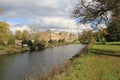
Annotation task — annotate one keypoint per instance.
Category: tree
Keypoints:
(51, 41)
(86, 36)
(26, 35)
(41, 45)
(30, 43)
(18, 34)
(3, 30)
(100, 35)
(11, 38)
(96, 10)
(114, 30)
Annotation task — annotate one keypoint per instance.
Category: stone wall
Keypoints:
(46, 36)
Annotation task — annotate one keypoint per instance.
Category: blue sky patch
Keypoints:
(15, 20)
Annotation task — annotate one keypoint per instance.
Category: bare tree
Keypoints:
(96, 11)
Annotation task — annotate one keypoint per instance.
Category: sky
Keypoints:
(40, 15)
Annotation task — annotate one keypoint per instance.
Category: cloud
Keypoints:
(58, 24)
(14, 27)
(42, 14)
(31, 8)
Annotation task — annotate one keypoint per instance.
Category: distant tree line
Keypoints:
(111, 33)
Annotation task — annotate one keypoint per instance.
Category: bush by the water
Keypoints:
(10, 49)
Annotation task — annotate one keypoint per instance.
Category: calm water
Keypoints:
(20, 66)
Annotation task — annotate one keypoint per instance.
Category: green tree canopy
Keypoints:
(114, 30)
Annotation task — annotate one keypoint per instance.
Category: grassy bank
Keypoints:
(102, 62)
(14, 49)
(11, 49)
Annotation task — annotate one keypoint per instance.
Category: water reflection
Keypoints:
(20, 66)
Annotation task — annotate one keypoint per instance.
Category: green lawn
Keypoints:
(107, 46)
(93, 66)
(115, 48)
(112, 43)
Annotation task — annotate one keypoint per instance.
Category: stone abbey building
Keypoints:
(50, 35)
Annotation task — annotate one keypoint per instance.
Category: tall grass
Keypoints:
(92, 66)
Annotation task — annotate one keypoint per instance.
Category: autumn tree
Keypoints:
(18, 34)
(4, 27)
(10, 38)
(86, 36)
(26, 35)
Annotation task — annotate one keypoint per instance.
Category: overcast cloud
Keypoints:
(45, 14)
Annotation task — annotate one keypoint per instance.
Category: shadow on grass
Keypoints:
(114, 44)
(107, 43)
(104, 52)
(100, 43)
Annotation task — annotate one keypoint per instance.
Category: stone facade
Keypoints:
(46, 36)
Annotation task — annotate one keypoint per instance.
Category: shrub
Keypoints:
(51, 41)
(41, 45)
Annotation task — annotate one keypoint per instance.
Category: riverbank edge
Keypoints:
(60, 68)
(22, 50)
(14, 52)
